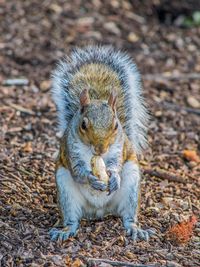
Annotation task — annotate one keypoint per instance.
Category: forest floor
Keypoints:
(33, 35)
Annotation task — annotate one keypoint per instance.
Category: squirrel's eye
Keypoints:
(116, 125)
(84, 124)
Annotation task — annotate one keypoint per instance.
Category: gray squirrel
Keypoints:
(101, 111)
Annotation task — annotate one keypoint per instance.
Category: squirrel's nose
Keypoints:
(100, 149)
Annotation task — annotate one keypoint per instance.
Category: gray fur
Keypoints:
(67, 105)
(114, 155)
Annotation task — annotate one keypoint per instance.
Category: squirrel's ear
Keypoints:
(112, 99)
(84, 98)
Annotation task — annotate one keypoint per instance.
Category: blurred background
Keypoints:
(34, 34)
(163, 37)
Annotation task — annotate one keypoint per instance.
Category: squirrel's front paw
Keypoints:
(114, 181)
(96, 183)
(62, 234)
(138, 234)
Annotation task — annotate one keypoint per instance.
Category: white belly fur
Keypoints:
(95, 198)
(97, 201)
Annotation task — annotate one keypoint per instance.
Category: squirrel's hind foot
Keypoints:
(138, 234)
(63, 234)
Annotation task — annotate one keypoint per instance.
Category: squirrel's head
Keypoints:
(98, 123)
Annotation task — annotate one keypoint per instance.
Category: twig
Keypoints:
(110, 244)
(120, 263)
(10, 82)
(14, 182)
(166, 77)
(4, 108)
(22, 109)
(13, 190)
(164, 175)
(3, 224)
(136, 17)
(19, 179)
(175, 107)
(21, 169)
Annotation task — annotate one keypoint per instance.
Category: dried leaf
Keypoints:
(68, 261)
(28, 147)
(191, 155)
(77, 263)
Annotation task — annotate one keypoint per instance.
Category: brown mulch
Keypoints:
(33, 35)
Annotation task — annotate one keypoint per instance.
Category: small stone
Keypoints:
(126, 5)
(93, 34)
(191, 48)
(45, 85)
(55, 155)
(34, 89)
(59, 134)
(192, 164)
(194, 86)
(56, 8)
(173, 264)
(193, 102)
(103, 264)
(28, 127)
(112, 28)
(115, 3)
(196, 239)
(85, 21)
(132, 37)
(179, 43)
(158, 113)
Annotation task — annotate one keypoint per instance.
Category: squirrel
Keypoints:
(101, 111)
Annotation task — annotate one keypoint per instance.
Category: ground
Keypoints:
(34, 34)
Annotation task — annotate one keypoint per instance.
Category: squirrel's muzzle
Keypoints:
(100, 149)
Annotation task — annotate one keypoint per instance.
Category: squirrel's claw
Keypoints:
(139, 234)
(61, 234)
(114, 182)
(96, 184)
